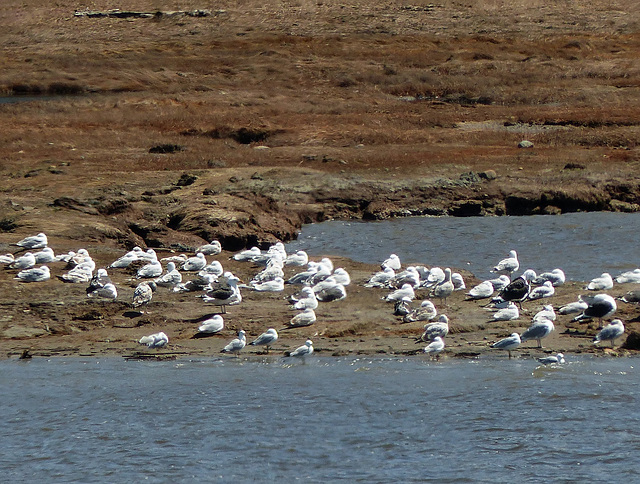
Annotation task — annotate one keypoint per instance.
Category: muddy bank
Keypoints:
(57, 319)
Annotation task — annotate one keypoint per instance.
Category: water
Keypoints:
(352, 420)
(582, 244)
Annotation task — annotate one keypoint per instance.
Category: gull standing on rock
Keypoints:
(236, 345)
(143, 294)
(507, 266)
(508, 344)
(439, 328)
(538, 330)
(599, 306)
(267, 339)
(443, 289)
(610, 332)
(303, 351)
(435, 347)
(224, 292)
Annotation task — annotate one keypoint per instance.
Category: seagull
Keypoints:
(341, 276)
(212, 248)
(508, 344)
(392, 262)
(108, 291)
(599, 306)
(405, 291)
(509, 313)
(439, 328)
(426, 312)
(214, 268)
(574, 307)
(210, 326)
(225, 292)
(443, 289)
(409, 276)
(538, 330)
(127, 259)
(402, 307)
(25, 261)
(150, 270)
(610, 332)
(552, 360)
(267, 338)
(545, 290)
(143, 293)
(171, 278)
(308, 299)
(556, 277)
(518, 289)
(435, 347)
(236, 345)
(481, 291)
(381, 278)
(247, 255)
(435, 276)
(500, 282)
(304, 318)
(546, 312)
(304, 350)
(275, 285)
(629, 276)
(194, 264)
(458, 281)
(157, 340)
(631, 297)
(44, 256)
(6, 258)
(601, 283)
(98, 281)
(80, 273)
(33, 242)
(333, 293)
(300, 258)
(508, 265)
(35, 274)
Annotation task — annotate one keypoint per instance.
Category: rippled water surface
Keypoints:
(583, 244)
(366, 420)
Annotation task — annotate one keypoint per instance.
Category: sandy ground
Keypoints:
(53, 318)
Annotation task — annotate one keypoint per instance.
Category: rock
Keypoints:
(488, 175)
(632, 342)
(620, 206)
(525, 144)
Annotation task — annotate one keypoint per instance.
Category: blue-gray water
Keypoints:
(367, 420)
(584, 245)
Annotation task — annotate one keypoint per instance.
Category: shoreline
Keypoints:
(62, 321)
